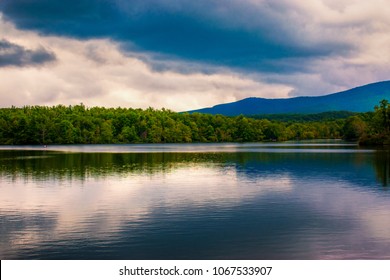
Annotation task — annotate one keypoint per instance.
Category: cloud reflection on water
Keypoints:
(265, 206)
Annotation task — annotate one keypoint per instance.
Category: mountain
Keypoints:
(359, 99)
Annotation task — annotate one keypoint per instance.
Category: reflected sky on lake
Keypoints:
(197, 205)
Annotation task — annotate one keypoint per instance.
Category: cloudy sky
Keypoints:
(186, 54)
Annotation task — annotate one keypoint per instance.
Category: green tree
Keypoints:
(354, 128)
(381, 119)
(106, 132)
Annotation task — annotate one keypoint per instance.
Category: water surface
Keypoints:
(195, 201)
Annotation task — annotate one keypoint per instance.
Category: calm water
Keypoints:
(199, 201)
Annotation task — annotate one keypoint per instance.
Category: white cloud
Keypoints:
(97, 73)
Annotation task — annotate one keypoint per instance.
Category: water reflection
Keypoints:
(382, 166)
(250, 205)
(52, 165)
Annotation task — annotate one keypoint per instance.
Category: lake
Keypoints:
(303, 200)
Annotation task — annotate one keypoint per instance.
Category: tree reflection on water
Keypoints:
(382, 166)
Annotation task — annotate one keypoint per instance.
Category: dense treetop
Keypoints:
(97, 125)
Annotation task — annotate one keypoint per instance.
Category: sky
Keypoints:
(185, 54)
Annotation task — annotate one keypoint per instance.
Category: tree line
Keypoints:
(370, 128)
(98, 125)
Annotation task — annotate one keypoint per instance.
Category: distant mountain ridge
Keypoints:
(359, 99)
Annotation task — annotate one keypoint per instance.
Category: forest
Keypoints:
(79, 124)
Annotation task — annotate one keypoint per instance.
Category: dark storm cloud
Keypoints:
(223, 33)
(15, 55)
